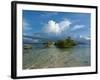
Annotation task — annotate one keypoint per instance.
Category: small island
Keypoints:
(66, 43)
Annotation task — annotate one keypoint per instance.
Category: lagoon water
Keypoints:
(53, 57)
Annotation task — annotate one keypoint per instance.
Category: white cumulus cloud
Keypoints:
(52, 27)
(57, 28)
(64, 24)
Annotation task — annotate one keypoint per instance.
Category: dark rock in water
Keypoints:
(48, 44)
(27, 46)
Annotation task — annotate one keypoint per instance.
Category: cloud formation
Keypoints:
(85, 37)
(78, 27)
(26, 25)
(64, 24)
(27, 29)
(57, 28)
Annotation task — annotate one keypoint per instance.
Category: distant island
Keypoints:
(65, 43)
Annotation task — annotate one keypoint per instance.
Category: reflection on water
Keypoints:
(39, 57)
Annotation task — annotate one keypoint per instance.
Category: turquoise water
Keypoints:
(39, 57)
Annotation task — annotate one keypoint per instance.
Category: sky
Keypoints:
(56, 24)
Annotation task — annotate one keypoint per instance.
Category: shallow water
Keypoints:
(39, 57)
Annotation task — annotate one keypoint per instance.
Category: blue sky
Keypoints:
(56, 24)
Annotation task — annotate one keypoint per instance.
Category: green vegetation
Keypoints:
(67, 43)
